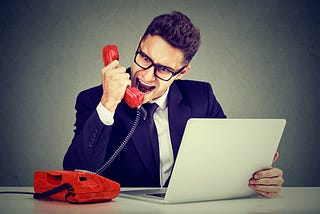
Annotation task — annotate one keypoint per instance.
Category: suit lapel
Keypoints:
(140, 139)
(179, 113)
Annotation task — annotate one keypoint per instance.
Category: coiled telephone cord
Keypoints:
(123, 144)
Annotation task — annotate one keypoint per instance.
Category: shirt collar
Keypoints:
(162, 101)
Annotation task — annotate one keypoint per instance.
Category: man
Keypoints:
(103, 120)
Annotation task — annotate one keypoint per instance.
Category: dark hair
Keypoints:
(176, 29)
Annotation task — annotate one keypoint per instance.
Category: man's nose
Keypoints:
(148, 74)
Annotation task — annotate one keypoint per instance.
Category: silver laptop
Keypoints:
(216, 159)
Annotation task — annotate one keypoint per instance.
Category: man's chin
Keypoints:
(148, 97)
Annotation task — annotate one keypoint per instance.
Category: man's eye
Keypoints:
(146, 59)
(164, 69)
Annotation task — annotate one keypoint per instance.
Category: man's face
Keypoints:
(161, 53)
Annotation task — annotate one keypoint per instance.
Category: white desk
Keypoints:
(292, 200)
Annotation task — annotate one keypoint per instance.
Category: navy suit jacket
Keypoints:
(136, 165)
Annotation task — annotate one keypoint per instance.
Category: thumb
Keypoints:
(275, 157)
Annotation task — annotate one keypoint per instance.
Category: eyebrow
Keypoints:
(173, 70)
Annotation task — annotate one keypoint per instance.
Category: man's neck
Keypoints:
(162, 101)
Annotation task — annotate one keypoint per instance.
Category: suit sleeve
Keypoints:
(89, 144)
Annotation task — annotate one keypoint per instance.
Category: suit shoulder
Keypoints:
(94, 91)
(92, 95)
(199, 96)
(192, 85)
(194, 91)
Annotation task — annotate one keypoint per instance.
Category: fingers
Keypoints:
(117, 75)
(267, 182)
(274, 189)
(268, 173)
(114, 82)
(114, 66)
(277, 181)
(268, 194)
(114, 76)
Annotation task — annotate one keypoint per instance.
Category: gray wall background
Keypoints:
(262, 58)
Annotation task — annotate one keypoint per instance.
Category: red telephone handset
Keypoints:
(133, 97)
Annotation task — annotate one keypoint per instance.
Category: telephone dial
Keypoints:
(133, 97)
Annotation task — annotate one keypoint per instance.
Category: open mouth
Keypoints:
(143, 87)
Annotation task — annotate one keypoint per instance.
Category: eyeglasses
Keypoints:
(160, 71)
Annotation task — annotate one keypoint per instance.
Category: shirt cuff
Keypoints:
(105, 115)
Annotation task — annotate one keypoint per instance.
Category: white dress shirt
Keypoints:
(162, 123)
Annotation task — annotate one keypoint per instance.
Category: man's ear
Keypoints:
(184, 71)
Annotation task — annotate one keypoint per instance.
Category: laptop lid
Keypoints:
(217, 157)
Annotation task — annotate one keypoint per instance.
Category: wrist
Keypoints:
(105, 115)
(109, 104)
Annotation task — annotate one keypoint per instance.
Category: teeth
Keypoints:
(144, 87)
(144, 84)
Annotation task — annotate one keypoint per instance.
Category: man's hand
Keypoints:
(267, 182)
(114, 82)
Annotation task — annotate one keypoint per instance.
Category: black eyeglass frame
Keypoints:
(138, 51)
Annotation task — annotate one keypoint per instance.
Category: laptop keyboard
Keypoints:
(160, 195)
